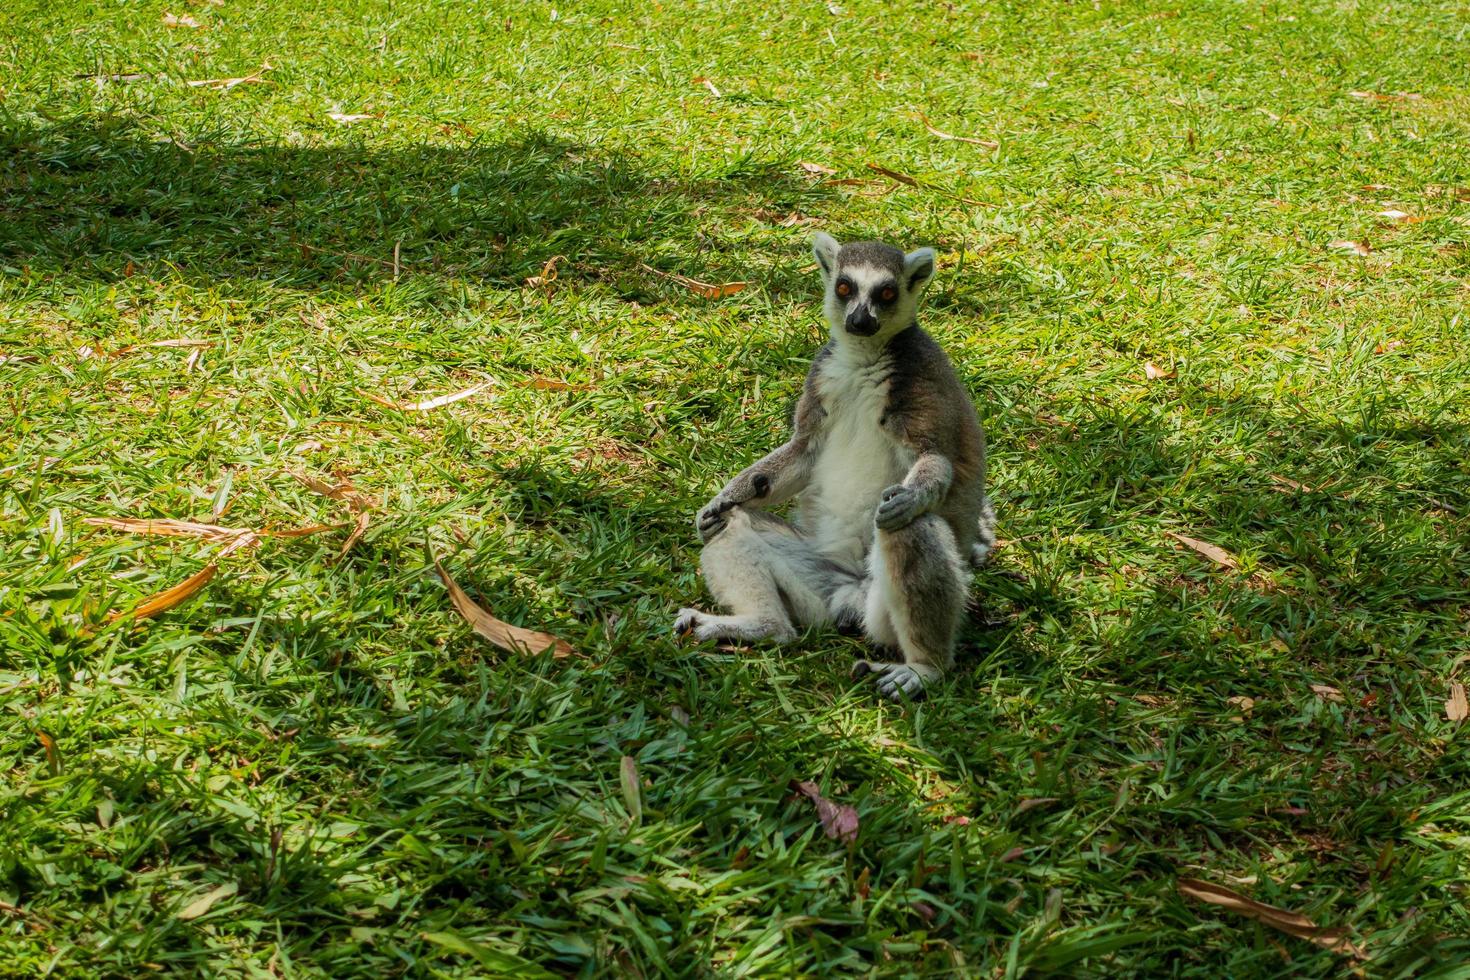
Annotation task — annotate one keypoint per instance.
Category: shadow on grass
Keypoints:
(96, 195)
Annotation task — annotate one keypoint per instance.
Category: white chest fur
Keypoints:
(856, 460)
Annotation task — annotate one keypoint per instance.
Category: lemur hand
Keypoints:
(898, 507)
(741, 490)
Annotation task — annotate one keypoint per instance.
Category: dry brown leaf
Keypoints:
(53, 754)
(1292, 484)
(903, 178)
(1360, 248)
(348, 118)
(162, 602)
(705, 289)
(701, 80)
(1456, 708)
(424, 406)
(1393, 214)
(226, 84)
(988, 144)
(1326, 692)
(1245, 704)
(516, 639)
(1213, 552)
(839, 821)
(1388, 347)
(1155, 373)
(971, 56)
(1033, 803)
(181, 20)
(816, 169)
(192, 361)
(548, 273)
(169, 528)
(18, 359)
(344, 491)
(1291, 923)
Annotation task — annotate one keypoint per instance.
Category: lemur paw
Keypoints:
(687, 622)
(711, 519)
(897, 508)
(897, 682)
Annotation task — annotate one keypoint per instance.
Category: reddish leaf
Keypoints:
(839, 821)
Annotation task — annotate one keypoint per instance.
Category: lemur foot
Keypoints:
(687, 623)
(897, 682)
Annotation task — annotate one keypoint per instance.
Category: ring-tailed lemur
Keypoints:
(888, 458)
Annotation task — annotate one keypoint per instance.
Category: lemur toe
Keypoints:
(686, 622)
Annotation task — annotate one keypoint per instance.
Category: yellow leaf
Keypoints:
(516, 639)
(207, 901)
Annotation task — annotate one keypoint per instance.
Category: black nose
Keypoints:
(862, 322)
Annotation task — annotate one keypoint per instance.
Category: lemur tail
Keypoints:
(985, 543)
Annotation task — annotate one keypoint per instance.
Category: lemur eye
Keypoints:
(888, 295)
(844, 289)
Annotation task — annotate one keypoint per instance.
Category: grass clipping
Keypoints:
(516, 639)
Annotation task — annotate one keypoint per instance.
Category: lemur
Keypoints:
(887, 457)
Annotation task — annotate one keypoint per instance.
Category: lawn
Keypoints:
(1204, 267)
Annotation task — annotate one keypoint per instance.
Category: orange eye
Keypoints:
(844, 290)
(889, 295)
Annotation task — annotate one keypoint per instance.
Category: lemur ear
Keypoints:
(825, 248)
(918, 268)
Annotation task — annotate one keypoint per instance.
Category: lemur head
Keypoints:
(872, 289)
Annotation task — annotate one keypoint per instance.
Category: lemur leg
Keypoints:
(915, 602)
(768, 576)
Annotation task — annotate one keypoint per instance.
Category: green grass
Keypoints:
(379, 793)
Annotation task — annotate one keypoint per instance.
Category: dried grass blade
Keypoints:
(988, 144)
(162, 602)
(1213, 552)
(426, 405)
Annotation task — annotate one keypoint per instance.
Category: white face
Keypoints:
(872, 290)
(865, 301)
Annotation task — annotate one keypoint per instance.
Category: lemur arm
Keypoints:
(773, 479)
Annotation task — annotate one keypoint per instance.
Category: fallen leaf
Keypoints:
(192, 361)
(348, 118)
(988, 144)
(207, 901)
(359, 528)
(1326, 692)
(1155, 373)
(180, 20)
(1361, 248)
(705, 289)
(344, 491)
(971, 55)
(424, 406)
(701, 80)
(815, 168)
(1033, 803)
(1152, 700)
(1214, 553)
(18, 359)
(1291, 923)
(632, 791)
(1387, 347)
(548, 273)
(516, 639)
(169, 598)
(169, 528)
(228, 83)
(863, 886)
(839, 821)
(925, 910)
(1456, 708)
(1393, 214)
(905, 179)
(1242, 702)
(1291, 484)
(53, 754)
